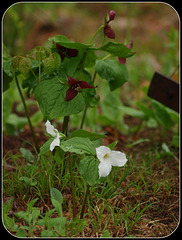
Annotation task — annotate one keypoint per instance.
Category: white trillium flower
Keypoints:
(108, 159)
(54, 133)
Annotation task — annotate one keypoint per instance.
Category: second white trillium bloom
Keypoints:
(108, 159)
(54, 133)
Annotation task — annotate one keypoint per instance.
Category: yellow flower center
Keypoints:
(106, 155)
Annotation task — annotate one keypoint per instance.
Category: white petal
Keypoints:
(55, 142)
(102, 151)
(117, 158)
(104, 169)
(50, 129)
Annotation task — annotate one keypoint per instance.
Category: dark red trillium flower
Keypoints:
(63, 51)
(75, 87)
(109, 32)
(107, 29)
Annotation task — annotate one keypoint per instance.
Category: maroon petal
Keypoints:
(84, 84)
(122, 60)
(58, 46)
(70, 94)
(71, 80)
(72, 52)
(109, 32)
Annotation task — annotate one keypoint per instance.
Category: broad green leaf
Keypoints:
(46, 146)
(78, 145)
(57, 58)
(89, 59)
(57, 200)
(57, 205)
(117, 49)
(6, 81)
(65, 42)
(88, 168)
(85, 134)
(27, 154)
(49, 65)
(59, 224)
(56, 194)
(25, 66)
(161, 115)
(35, 215)
(132, 112)
(48, 233)
(110, 105)
(114, 72)
(51, 94)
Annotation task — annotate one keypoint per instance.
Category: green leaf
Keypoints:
(89, 59)
(141, 140)
(161, 115)
(79, 145)
(59, 224)
(25, 66)
(65, 42)
(48, 233)
(27, 154)
(85, 134)
(56, 194)
(49, 65)
(132, 112)
(6, 81)
(117, 49)
(88, 168)
(57, 200)
(21, 233)
(28, 181)
(46, 146)
(57, 59)
(51, 94)
(30, 204)
(112, 145)
(114, 72)
(57, 206)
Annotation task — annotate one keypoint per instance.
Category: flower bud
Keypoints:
(111, 15)
(130, 45)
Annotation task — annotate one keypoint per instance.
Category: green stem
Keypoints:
(96, 34)
(84, 202)
(72, 187)
(83, 118)
(27, 114)
(85, 111)
(65, 125)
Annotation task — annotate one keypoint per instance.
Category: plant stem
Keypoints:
(27, 114)
(84, 202)
(83, 118)
(65, 125)
(96, 33)
(72, 187)
(86, 107)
